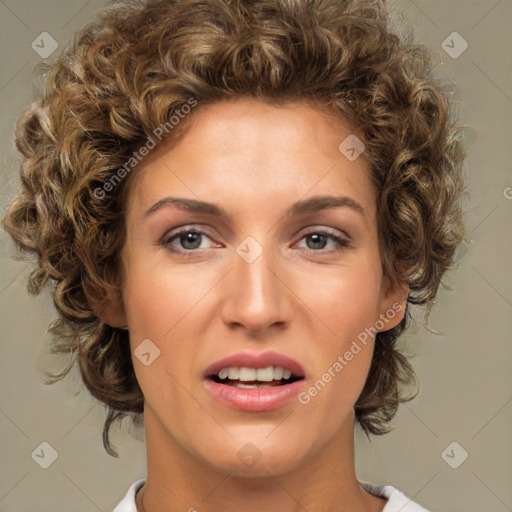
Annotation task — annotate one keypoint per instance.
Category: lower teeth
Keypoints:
(252, 386)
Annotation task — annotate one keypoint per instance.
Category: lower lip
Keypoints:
(254, 399)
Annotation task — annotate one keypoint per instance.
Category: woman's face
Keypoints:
(276, 275)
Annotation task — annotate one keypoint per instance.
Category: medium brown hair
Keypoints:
(138, 62)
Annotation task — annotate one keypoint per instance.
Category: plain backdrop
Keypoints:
(451, 449)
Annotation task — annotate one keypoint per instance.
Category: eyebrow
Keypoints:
(305, 206)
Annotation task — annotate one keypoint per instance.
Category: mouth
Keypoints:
(250, 381)
(253, 378)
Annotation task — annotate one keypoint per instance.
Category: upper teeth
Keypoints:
(249, 374)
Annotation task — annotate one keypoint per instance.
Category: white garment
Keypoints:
(397, 501)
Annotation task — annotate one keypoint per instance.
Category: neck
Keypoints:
(177, 480)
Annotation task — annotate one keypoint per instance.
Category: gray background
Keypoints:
(464, 372)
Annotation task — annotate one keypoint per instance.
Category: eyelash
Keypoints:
(342, 243)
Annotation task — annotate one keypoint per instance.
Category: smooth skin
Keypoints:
(305, 296)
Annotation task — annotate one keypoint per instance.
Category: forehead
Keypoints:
(244, 124)
(250, 150)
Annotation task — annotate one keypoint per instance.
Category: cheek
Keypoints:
(345, 300)
(168, 306)
(347, 304)
(162, 307)
(158, 298)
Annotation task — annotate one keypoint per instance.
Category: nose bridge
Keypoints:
(257, 296)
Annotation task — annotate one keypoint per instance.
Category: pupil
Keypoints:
(189, 238)
(316, 236)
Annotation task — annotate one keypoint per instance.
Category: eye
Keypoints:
(318, 241)
(189, 239)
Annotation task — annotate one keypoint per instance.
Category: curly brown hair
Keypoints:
(137, 62)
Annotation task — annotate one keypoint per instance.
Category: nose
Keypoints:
(256, 296)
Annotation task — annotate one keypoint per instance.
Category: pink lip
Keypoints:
(256, 399)
(256, 360)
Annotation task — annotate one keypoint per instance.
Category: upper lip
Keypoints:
(250, 359)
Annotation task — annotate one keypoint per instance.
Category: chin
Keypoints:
(273, 465)
(257, 457)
